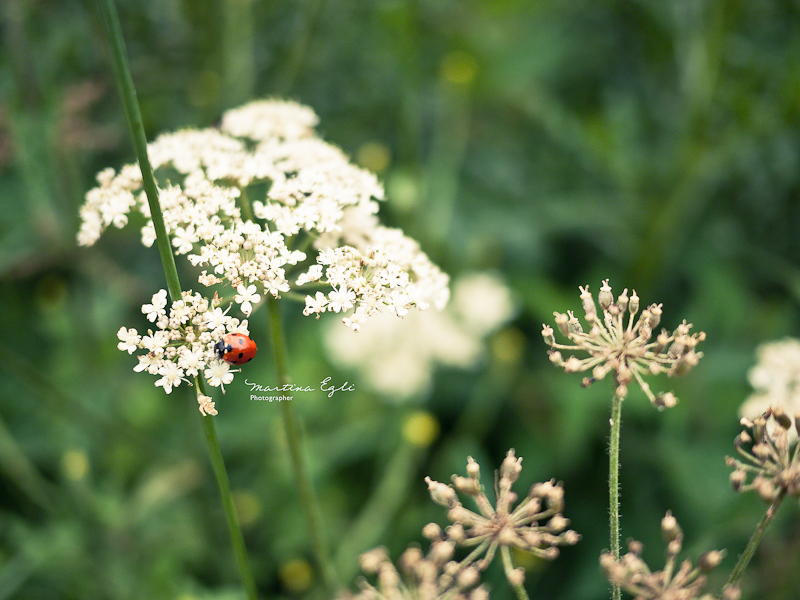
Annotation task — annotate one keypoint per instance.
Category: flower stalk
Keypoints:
(613, 483)
(133, 115)
(294, 439)
(755, 540)
(134, 118)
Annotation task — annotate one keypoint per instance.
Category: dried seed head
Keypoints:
(684, 583)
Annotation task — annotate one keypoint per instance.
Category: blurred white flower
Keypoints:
(397, 358)
(775, 379)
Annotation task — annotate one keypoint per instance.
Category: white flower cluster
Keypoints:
(305, 194)
(183, 344)
(775, 379)
(397, 358)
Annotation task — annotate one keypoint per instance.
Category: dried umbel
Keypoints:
(623, 345)
(536, 525)
(674, 582)
(434, 576)
(769, 455)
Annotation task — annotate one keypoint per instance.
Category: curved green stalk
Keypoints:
(124, 80)
(221, 474)
(750, 549)
(613, 483)
(134, 118)
(508, 567)
(294, 438)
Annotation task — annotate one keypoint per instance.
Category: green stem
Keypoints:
(750, 549)
(234, 529)
(380, 509)
(124, 80)
(133, 115)
(294, 438)
(613, 483)
(508, 566)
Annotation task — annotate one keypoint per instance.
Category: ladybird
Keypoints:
(236, 348)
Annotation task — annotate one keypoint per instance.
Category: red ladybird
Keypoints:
(236, 348)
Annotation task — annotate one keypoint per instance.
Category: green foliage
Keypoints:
(560, 143)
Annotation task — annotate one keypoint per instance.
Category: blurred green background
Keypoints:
(559, 143)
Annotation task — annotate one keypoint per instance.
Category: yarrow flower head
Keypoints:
(431, 576)
(264, 205)
(623, 346)
(536, 525)
(769, 454)
(182, 346)
(674, 582)
(775, 379)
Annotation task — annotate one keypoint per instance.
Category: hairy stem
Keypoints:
(234, 529)
(750, 549)
(124, 80)
(294, 438)
(613, 483)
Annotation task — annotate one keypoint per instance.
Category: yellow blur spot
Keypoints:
(421, 428)
(374, 156)
(403, 190)
(204, 89)
(75, 464)
(248, 507)
(508, 345)
(527, 560)
(188, 597)
(459, 67)
(296, 575)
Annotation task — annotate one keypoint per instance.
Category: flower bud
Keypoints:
(473, 469)
(557, 524)
(468, 577)
(588, 303)
(765, 488)
(731, 593)
(562, 321)
(622, 301)
(441, 493)
(511, 466)
(431, 531)
(670, 528)
(667, 400)
(655, 315)
(516, 577)
(633, 305)
(605, 298)
(466, 485)
(781, 418)
(371, 561)
(737, 479)
(709, 560)
(456, 533)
